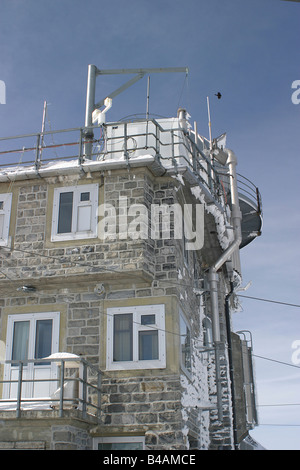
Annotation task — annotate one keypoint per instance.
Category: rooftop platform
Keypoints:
(164, 145)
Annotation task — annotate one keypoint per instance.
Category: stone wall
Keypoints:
(166, 407)
(146, 405)
(41, 430)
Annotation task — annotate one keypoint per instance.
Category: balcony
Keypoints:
(250, 205)
(165, 146)
(59, 386)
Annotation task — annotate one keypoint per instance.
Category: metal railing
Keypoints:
(85, 380)
(246, 189)
(123, 140)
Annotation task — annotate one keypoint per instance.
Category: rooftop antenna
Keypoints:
(43, 129)
(219, 96)
(93, 72)
(209, 123)
(148, 96)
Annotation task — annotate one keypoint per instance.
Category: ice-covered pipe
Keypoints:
(231, 161)
(236, 222)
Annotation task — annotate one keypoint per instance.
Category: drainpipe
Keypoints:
(231, 161)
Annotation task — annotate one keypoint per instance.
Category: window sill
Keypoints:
(136, 365)
(73, 237)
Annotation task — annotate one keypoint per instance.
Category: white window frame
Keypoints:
(32, 318)
(5, 211)
(121, 440)
(159, 326)
(74, 234)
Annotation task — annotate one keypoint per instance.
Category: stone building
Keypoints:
(118, 273)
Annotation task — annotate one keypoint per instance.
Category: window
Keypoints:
(136, 337)
(119, 443)
(31, 336)
(185, 345)
(5, 209)
(75, 212)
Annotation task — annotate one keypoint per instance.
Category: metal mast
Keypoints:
(93, 72)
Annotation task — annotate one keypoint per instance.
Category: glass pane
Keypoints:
(65, 213)
(148, 319)
(185, 339)
(123, 337)
(148, 345)
(121, 446)
(43, 339)
(84, 218)
(20, 341)
(84, 197)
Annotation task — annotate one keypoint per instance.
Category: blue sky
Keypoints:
(249, 51)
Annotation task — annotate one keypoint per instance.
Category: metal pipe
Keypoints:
(90, 105)
(236, 222)
(218, 380)
(43, 129)
(84, 389)
(19, 392)
(61, 394)
(231, 369)
(213, 276)
(148, 97)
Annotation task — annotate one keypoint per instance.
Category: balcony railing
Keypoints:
(73, 384)
(124, 140)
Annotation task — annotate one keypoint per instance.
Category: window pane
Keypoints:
(43, 340)
(185, 339)
(84, 218)
(148, 319)
(122, 337)
(148, 345)
(84, 197)
(121, 446)
(65, 213)
(20, 341)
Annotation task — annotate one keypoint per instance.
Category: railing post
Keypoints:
(84, 389)
(61, 395)
(157, 149)
(38, 152)
(125, 142)
(99, 395)
(172, 149)
(80, 157)
(258, 200)
(19, 393)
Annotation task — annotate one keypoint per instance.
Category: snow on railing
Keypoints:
(125, 141)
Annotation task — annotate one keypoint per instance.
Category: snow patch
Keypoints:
(225, 235)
